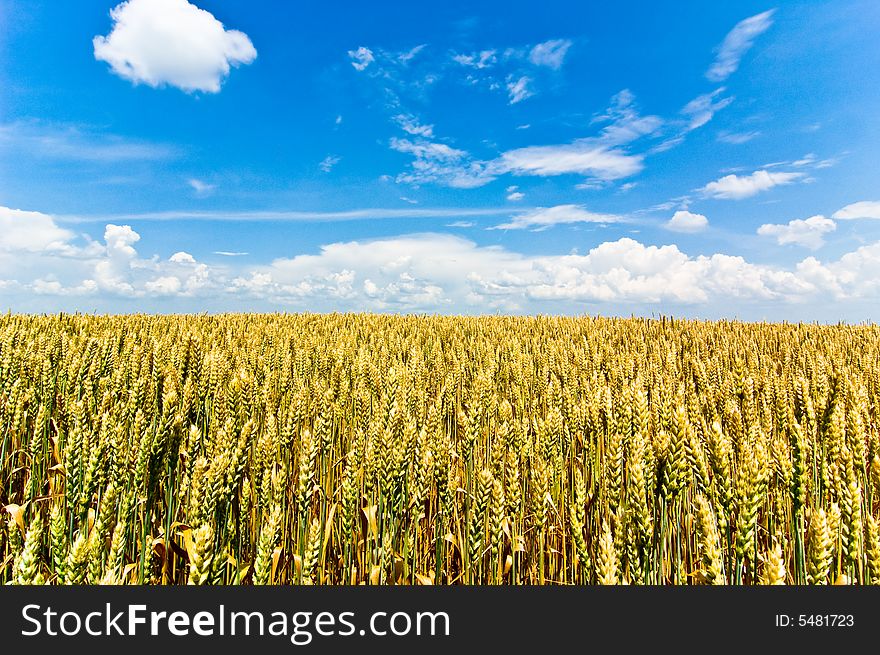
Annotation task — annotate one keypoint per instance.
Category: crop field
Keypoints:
(370, 449)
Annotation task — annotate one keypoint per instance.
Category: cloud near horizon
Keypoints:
(417, 272)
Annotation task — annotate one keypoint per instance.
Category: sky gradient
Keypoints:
(703, 160)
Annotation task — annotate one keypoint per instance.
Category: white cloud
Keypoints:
(229, 253)
(550, 53)
(440, 272)
(370, 213)
(515, 196)
(411, 125)
(120, 240)
(685, 221)
(863, 209)
(329, 162)
(543, 218)
(361, 58)
(601, 158)
(737, 187)
(478, 60)
(158, 42)
(30, 232)
(77, 143)
(701, 109)
(584, 156)
(201, 188)
(163, 286)
(737, 43)
(426, 149)
(182, 258)
(809, 233)
(518, 89)
(407, 56)
(737, 138)
(624, 123)
(440, 163)
(434, 272)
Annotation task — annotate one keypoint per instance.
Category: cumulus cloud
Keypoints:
(182, 258)
(863, 209)
(361, 58)
(543, 218)
(48, 260)
(448, 273)
(30, 232)
(809, 233)
(737, 187)
(737, 42)
(550, 53)
(437, 272)
(173, 42)
(685, 221)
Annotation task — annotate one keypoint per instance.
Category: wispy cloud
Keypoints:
(544, 218)
(737, 138)
(435, 162)
(518, 70)
(737, 42)
(201, 188)
(701, 109)
(406, 56)
(411, 125)
(602, 157)
(478, 60)
(293, 216)
(78, 143)
(361, 58)
(518, 89)
(550, 53)
(228, 253)
(329, 162)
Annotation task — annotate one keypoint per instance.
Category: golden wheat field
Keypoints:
(370, 449)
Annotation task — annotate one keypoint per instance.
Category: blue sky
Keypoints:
(691, 158)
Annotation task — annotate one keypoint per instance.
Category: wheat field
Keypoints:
(371, 449)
